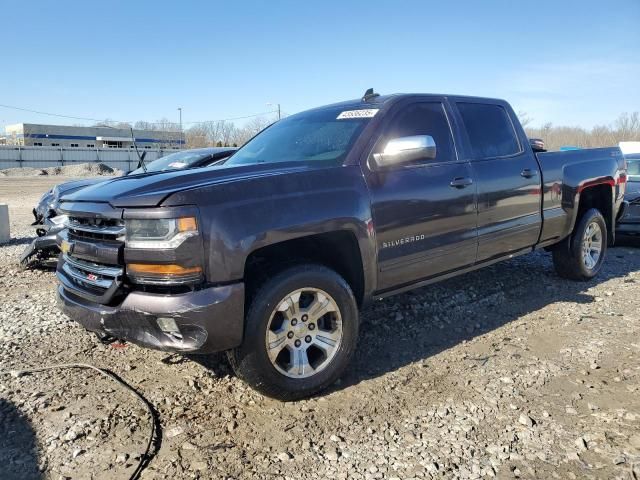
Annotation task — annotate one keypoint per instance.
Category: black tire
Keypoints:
(568, 257)
(251, 361)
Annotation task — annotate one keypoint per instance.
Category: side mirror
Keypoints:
(403, 150)
(537, 145)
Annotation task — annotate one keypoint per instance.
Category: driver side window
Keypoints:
(425, 118)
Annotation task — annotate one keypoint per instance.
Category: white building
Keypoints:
(37, 135)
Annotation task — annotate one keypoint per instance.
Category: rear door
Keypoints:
(424, 213)
(507, 176)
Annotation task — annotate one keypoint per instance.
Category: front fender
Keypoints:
(238, 218)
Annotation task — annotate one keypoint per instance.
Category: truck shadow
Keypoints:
(18, 447)
(628, 241)
(419, 324)
(414, 326)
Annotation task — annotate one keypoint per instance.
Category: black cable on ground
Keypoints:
(153, 445)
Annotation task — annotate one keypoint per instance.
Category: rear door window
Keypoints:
(489, 129)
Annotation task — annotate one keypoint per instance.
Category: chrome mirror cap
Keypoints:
(403, 150)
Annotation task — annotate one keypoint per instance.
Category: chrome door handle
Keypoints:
(461, 182)
(528, 173)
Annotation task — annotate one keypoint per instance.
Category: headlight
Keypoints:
(162, 233)
(159, 232)
(60, 219)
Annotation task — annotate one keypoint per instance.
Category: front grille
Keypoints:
(92, 265)
(93, 277)
(97, 228)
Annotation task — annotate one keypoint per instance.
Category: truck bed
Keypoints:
(564, 176)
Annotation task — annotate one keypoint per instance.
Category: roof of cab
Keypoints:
(383, 99)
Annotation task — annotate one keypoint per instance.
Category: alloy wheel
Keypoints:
(304, 333)
(592, 245)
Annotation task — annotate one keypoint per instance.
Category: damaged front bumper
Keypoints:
(44, 245)
(202, 321)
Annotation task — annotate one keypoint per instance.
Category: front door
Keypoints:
(425, 212)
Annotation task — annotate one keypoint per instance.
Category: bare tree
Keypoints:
(524, 118)
(625, 127)
(251, 128)
(218, 133)
(142, 125)
(196, 137)
(168, 132)
(628, 125)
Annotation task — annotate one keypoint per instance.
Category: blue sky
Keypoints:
(565, 62)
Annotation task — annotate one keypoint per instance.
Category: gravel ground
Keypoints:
(74, 170)
(508, 372)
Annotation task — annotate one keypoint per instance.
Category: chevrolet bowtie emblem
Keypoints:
(66, 247)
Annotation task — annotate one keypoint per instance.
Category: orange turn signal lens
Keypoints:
(153, 269)
(187, 224)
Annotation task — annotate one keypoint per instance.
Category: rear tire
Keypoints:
(301, 331)
(580, 257)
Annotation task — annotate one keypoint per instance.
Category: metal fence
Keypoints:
(42, 157)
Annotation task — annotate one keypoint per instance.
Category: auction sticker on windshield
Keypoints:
(365, 113)
(177, 165)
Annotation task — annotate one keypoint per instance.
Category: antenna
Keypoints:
(369, 95)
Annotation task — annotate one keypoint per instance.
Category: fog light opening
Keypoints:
(168, 325)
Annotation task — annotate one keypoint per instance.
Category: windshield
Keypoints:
(633, 167)
(317, 135)
(175, 161)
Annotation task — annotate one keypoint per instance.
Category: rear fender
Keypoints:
(598, 193)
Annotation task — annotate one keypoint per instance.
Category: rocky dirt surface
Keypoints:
(508, 372)
(77, 170)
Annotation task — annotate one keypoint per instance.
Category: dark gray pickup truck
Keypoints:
(271, 255)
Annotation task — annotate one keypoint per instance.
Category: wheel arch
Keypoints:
(338, 250)
(597, 194)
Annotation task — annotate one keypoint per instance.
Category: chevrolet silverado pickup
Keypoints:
(270, 255)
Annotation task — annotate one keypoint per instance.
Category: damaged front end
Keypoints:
(44, 247)
(138, 276)
(202, 321)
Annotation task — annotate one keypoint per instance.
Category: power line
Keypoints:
(234, 118)
(50, 114)
(118, 121)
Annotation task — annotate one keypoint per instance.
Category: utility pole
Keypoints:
(275, 105)
(181, 132)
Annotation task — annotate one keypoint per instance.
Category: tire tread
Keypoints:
(567, 257)
(246, 362)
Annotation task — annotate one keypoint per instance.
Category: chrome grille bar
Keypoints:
(94, 268)
(83, 278)
(106, 229)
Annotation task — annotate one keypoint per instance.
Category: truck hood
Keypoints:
(74, 185)
(151, 189)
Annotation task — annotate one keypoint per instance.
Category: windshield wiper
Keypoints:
(140, 157)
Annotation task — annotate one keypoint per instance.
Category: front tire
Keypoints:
(583, 254)
(301, 331)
